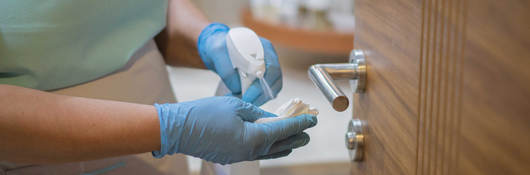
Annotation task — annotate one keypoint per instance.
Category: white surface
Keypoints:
(327, 137)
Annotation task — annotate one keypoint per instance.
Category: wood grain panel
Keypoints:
(443, 26)
(389, 32)
(448, 86)
(495, 114)
(474, 88)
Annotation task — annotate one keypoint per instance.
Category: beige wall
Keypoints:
(225, 11)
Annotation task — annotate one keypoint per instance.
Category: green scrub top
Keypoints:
(52, 44)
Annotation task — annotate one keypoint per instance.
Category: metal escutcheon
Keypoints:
(357, 58)
(355, 140)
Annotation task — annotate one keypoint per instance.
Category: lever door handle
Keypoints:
(323, 75)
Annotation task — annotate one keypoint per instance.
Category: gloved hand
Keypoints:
(214, 54)
(221, 130)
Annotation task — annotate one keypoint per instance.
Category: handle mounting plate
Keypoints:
(357, 57)
(355, 140)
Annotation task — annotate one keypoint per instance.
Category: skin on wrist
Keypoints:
(41, 127)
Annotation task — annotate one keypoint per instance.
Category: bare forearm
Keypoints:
(40, 127)
(178, 41)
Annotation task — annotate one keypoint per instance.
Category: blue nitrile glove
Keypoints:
(221, 130)
(214, 54)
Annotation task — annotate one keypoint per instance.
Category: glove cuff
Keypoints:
(208, 31)
(171, 127)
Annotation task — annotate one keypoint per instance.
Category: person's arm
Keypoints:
(41, 127)
(178, 41)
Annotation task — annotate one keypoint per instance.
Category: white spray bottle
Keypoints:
(246, 53)
(247, 56)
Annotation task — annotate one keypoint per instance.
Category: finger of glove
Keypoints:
(230, 94)
(273, 76)
(212, 37)
(255, 94)
(250, 113)
(282, 129)
(231, 78)
(272, 64)
(270, 53)
(275, 155)
(290, 143)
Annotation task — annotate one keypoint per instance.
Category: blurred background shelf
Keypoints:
(328, 42)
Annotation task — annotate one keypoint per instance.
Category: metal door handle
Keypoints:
(323, 75)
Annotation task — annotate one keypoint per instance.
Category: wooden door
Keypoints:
(448, 86)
